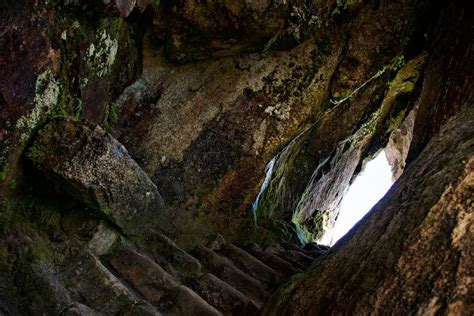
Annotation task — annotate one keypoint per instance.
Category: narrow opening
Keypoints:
(366, 190)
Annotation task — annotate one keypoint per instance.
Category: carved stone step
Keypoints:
(282, 267)
(316, 249)
(251, 265)
(158, 286)
(171, 257)
(91, 283)
(228, 272)
(294, 247)
(297, 258)
(223, 296)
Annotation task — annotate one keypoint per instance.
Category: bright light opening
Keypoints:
(366, 190)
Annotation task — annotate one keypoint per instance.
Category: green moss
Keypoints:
(12, 184)
(64, 99)
(398, 62)
(40, 250)
(407, 76)
(32, 245)
(343, 78)
(29, 209)
(395, 122)
(78, 108)
(403, 84)
(112, 115)
(4, 172)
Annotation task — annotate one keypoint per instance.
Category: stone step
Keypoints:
(284, 268)
(317, 249)
(188, 270)
(223, 296)
(294, 247)
(156, 285)
(171, 257)
(297, 258)
(251, 265)
(224, 269)
(90, 282)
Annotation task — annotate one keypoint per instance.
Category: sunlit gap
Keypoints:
(366, 190)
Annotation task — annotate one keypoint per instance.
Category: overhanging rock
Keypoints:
(97, 170)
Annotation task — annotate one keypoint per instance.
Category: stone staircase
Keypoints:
(218, 278)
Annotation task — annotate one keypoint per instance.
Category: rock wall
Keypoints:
(256, 76)
(127, 126)
(413, 252)
(59, 59)
(204, 131)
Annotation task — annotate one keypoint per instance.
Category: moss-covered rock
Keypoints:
(60, 57)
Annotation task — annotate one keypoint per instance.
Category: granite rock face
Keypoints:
(416, 243)
(203, 95)
(98, 171)
(58, 58)
(310, 175)
(195, 30)
(399, 145)
(413, 252)
(204, 131)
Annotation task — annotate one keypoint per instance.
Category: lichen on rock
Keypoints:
(101, 56)
(46, 96)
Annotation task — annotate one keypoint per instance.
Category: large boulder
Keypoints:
(97, 170)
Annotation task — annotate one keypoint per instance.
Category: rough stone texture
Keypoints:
(448, 81)
(413, 253)
(172, 258)
(227, 299)
(26, 53)
(125, 7)
(195, 30)
(157, 286)
(98, 170)
(103, 240)
(57, 57)
(399, 144)
(90, 281)
(55, 273)
(311, 174)
(205, 165)
(204, 131)
(255, 75)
